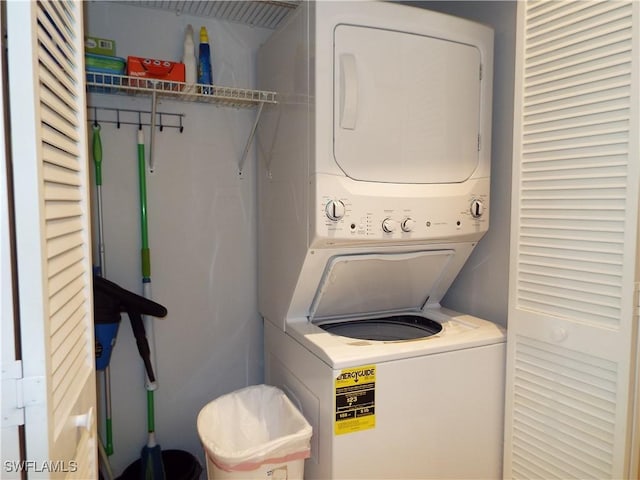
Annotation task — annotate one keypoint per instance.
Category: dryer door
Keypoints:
(406, 106)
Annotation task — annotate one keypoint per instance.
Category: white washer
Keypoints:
(373, 192)
(433, 409)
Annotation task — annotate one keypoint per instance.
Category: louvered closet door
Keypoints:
(49, 154)
(572, 320)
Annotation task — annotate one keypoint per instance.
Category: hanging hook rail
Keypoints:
(125, 116)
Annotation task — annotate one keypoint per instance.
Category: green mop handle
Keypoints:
(97, 154)
(145, 253)
(145, 256)
(151, 424)
(97, 160)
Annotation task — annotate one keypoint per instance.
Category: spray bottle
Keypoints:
(189, 60)
(204, 61)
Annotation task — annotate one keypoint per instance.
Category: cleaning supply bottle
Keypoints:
(204, 61)
(189, 60)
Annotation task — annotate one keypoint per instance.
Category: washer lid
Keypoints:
(371, 284)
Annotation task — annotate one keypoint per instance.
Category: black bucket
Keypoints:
(178, 465)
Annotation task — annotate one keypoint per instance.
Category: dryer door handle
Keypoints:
(348, 91)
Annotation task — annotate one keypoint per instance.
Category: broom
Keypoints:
(151, 455)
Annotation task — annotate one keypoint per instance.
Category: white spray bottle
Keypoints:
(189, 60)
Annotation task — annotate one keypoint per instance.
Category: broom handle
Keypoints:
(145, 255)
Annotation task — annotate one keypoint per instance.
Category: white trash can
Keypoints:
(255, 432)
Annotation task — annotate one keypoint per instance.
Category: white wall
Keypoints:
(481, 288)
(202, 230)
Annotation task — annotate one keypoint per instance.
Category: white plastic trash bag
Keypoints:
(253, 426)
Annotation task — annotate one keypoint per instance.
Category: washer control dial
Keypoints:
(388, 225)
(477, 208)
(335, 210)
(407, 224)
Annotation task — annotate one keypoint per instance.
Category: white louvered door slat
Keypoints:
(59, 158)
(55, 173)
(572, 315)
(48, 131)
(61, 15)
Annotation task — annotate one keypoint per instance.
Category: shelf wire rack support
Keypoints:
(250, 139)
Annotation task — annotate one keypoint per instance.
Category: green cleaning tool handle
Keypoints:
(109, 446)
(151, 424)
(146, 257)
(97, 153)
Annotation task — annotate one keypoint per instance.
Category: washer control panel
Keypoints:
(345, 218)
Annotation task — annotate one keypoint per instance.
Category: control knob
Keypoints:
(335, 210)
(388, 225)
(407, 224)
(477, 208)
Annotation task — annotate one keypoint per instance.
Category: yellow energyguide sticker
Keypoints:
(355, 400)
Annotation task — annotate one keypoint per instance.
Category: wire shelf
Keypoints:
(255, 13)
(227, 96)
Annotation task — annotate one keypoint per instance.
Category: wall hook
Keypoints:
(125, 116)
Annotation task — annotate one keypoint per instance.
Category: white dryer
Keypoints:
(373, 192)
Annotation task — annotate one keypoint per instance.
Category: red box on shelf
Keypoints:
(151, 68)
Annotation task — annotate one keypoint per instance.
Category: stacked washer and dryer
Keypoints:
(373, 192)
